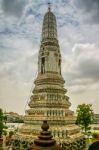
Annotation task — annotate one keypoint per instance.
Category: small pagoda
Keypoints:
(45, 140)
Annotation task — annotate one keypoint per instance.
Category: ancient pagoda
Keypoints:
(49, 100)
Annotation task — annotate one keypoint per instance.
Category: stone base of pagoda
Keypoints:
(23, 144)
(73, 142)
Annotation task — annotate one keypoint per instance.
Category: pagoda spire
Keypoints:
(49, 29)
(49, 6)
(49, 60)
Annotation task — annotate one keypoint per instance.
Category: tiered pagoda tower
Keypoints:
(49, 101)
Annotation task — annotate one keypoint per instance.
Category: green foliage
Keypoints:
(2, 123)
(95, 135)
(84, 116)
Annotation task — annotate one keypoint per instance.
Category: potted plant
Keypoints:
(2, 126)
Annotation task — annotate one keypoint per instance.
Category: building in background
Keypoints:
(13, 117)
(96, 118)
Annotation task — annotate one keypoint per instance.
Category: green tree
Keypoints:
(2, 123)
(84, 116)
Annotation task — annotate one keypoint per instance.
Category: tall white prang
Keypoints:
(49, 100)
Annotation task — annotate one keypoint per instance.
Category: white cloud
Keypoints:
(87, 60)
(17, 57)
(83, 63)
(89, 10)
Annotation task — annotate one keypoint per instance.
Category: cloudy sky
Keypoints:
(20, 35)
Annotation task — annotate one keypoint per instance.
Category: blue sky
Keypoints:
(20, 35)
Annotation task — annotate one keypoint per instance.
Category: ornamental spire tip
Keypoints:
(49, 6)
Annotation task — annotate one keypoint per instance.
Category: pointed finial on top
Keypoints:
(49, 6)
